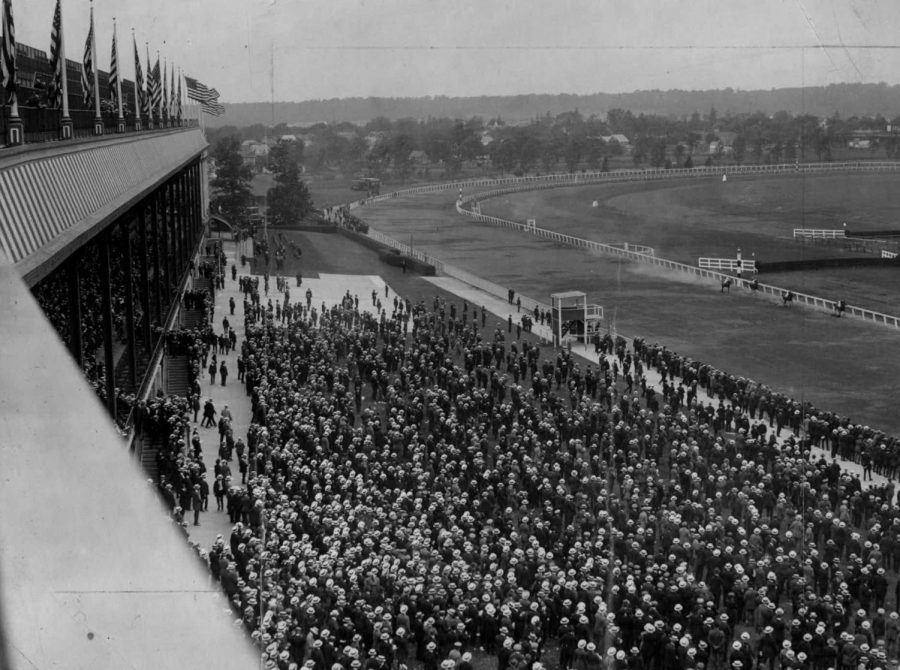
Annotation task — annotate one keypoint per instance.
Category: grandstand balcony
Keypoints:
(104, 230)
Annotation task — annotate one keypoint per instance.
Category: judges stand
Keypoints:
(573, 319)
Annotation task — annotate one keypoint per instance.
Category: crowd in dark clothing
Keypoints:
(52, 294)
(420, 489)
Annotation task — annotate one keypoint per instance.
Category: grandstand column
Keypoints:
(186, 217)
(184, 220)
(157, 268)
(75, 345)
(167, 256)
(106, 295)
(145, 277)
(195, 204)
(131, 350)
(172, 220)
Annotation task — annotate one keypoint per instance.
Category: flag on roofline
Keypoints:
(87, 64)
(148, 95)
(55, 87)
(213, 108)
(156, 92)
(164, 105)
(197, 90)
(8, 55)
(138, 80)
(172, 92)
(178, 109)
(114, 72)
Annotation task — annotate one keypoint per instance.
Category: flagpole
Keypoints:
(15, 129)
(149, 91)
(157, 105)
(179, 110)
(66, 128)
(163, 102)
(98, 119)
(120, 120)
(138, 124)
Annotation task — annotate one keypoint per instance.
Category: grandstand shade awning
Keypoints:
(54, 199)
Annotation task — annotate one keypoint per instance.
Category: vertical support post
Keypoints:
(131, 349)
(157, 266)
(167, 252)
(106, 294)
(185, 217)
(75, 342)
(173, 232)
(585, 321)
(195, 205)
(143, 254)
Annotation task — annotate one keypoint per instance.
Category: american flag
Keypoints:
(87, 65)
(207, 97)
(198, 91)
(178, 100)
(55, 88)
(164, 111)
(172, 92)
(8, 55)
(156, 89)
(139, 81)
(213, 108)
(114, 72)
(148, 95)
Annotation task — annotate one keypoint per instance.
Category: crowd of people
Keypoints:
(421, 488)
(52, 294)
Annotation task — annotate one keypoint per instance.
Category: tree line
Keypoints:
(570, 141)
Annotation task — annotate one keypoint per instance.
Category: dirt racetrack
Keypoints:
(684, 220)
(842, 365)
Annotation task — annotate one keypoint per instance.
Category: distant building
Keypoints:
(616, 137)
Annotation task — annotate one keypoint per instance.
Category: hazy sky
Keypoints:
(342, 48)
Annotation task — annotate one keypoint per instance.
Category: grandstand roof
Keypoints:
(53, 199)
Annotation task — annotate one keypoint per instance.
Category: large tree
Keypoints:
(231, 185)
(289, 200)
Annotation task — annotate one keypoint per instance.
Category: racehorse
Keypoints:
(787, 297)
(726, 284)
(839, 308)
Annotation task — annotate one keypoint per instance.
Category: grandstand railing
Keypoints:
(41, 124)
(516, 184)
